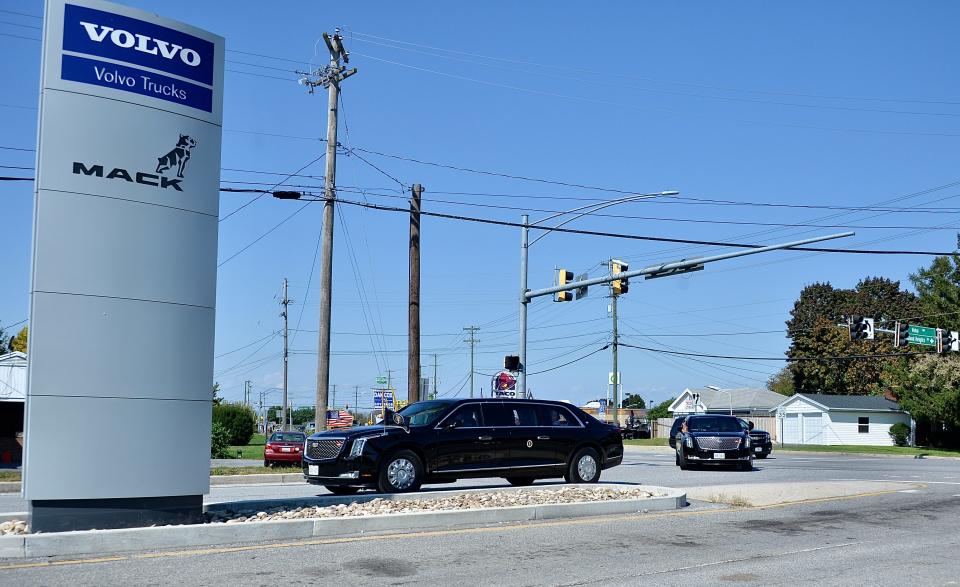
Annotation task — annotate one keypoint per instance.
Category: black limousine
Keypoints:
(440, 441)
(713, 439)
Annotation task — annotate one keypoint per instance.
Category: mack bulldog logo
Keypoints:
(177, 157)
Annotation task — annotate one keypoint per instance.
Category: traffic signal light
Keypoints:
(619, 286)
(856, 328)
(566, 277)
(901, 335)
(944, 340)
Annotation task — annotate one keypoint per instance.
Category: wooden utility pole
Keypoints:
(434, 394)
(473, 341)
(330, 78)
(413, 313)
(285, 303)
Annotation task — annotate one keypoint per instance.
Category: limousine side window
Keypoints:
(555, 416)
(496, 414)
(467, 416)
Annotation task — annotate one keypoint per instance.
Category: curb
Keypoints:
(260, 479)
(102, 542)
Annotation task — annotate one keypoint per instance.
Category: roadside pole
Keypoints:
(285, 303)
(329, 77)
(524, 301)
(473, 342)
(413, 313)
(616, 374)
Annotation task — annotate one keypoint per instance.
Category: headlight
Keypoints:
(357, 448)
(689, 442)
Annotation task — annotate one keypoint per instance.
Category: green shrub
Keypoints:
(900, 433)
(238, 419)
(219, 442)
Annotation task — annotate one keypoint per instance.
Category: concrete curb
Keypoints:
(9, 487)
(101, 542)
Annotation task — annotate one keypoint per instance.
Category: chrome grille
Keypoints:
(718, 442)
(759, 437)
(324, 449)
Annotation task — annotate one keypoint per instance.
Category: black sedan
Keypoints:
(713, 440)
(440, 441)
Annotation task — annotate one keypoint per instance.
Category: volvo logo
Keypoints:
(98, 33)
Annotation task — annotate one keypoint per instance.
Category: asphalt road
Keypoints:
(886, 539)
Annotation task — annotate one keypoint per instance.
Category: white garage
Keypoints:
(838, 419)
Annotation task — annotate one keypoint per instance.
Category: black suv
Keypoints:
(760, 439)
(440, 441)
(713, 439)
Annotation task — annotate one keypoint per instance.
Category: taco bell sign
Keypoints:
(123, 285)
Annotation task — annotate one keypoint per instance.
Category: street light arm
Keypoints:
(591, 208)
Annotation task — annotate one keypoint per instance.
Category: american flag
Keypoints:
(339, 419)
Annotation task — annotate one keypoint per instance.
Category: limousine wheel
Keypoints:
(400, 472)
(341, 489)
(520, 481)
(584, 467)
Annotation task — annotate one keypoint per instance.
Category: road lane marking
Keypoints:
(435, 533)
(895, 481)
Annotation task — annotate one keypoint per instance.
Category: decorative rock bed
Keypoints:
(13, 527)
(461, 501)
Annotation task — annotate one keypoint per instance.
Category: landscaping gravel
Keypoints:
(13, 527)
(471, 500)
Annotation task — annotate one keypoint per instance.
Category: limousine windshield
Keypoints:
(425, 413)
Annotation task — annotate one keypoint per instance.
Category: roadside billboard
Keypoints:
(123, 283)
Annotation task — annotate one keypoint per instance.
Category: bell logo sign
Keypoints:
(143, 43)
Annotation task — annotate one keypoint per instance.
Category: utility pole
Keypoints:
(330, 78)
(434, 394)
(616, 373)
(473, 341)
(413, 313)
(285, 303)
(333, 404)
(246, 392)
(524, 300)
(356, 398)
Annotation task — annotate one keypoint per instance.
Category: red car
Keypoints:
(284, 447)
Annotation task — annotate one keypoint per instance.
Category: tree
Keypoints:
(219, 441)
(660, 410)
(938, 287)
(302, 415)
(633, 400)
(216, 397)
(19, 342)
(817, 341)
(4, 339)
(929, 388)
(238, 419)
(782, 382)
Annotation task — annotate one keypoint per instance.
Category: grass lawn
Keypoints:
(647, 442)
(880, 450)
(9, 475)
(253, 451)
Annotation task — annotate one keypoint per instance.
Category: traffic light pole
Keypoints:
(524, 300)
(616, 372)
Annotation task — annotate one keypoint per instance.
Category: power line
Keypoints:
(21, 14)
(244, 346)
(637, 237)
(278, 184)
(603, 348)
(788, 359)
(262, 236)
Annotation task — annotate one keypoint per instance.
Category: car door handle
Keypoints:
(543, 438)
(484, 438)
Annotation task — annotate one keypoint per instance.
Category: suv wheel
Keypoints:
(400, 472)
(682, 460)
(746, 465)
(584, 467)
(520, 481)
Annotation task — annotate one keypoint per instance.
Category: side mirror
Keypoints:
(749, 425)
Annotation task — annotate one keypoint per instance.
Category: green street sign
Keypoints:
(381, 380)
(922, 335)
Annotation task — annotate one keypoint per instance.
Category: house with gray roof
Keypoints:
(815, 418)
(744, 401)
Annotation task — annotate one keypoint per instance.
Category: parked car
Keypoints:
(440, 441)
(674, 430)
(760, 439)
(713, 439)
(636, 428)
(284, 447)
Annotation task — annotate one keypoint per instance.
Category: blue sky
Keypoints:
(815, 103)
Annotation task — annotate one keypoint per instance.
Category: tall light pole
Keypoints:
(729, 395)
(524, 262)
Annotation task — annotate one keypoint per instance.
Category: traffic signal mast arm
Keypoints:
(676, 266)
